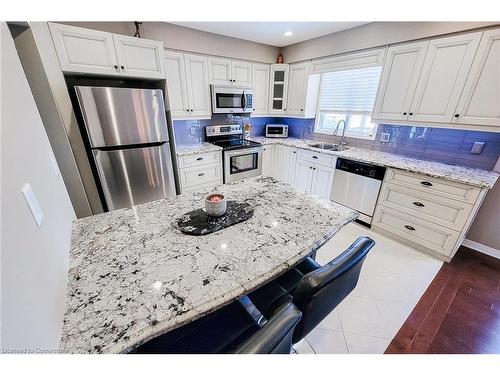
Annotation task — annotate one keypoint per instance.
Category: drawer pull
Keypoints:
(201, 174)
(426, 183)
(419, 204)
(199, 159)
(409, 227)
(315, 157)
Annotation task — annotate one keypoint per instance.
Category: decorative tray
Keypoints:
(198, 223)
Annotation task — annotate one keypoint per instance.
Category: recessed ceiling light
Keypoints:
(288, 33)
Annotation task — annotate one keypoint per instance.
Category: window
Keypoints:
(348, 95)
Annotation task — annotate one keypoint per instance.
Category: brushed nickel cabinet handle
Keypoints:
(419, 204)
(315, 157)
(200, 158)
(201, 174)
(409, 227)
(426, 183)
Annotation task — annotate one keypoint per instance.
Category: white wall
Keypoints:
(186, 39)
(371, 35)
(34, 260)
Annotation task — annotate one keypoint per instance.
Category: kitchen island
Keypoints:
(133, 275)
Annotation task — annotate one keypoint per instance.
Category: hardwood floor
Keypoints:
(460, 311)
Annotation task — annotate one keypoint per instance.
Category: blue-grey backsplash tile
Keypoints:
(450, 146)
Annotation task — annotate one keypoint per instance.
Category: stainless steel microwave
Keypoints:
(230, 99)
(276, 131)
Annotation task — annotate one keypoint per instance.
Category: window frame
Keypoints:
(316, 128)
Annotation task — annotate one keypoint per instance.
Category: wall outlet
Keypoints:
(477, 147)
(192, 130)
(384, 137)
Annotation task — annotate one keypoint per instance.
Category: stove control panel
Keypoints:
(217, 130)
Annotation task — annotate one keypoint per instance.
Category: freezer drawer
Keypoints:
(137, 175)
(121, 116)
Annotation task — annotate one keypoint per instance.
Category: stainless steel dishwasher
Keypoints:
(356, 185)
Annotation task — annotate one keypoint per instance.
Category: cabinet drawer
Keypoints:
(200, 175)
(194, 188)
(199, 159)
(432, 236)
(317, 157)
(448, 189)
(435, 208)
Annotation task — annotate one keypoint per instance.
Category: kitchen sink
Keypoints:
(328, 146)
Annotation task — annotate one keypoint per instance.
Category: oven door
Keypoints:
(244, 163)
(231, 100)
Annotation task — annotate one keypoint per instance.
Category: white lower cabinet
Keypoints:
(427, 213)
(200, 171)
(268, 160)
(285, 159)
(314, 173)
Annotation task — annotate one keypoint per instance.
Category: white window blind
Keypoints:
(348, 95)
(350, 90)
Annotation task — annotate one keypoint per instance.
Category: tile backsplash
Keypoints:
(451, 146)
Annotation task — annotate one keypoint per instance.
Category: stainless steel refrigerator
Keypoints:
(127, 131)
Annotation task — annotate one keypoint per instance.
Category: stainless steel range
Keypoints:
(242, 158)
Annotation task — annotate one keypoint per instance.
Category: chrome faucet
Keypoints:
(341, 145)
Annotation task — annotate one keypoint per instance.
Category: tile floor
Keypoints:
(392, 280)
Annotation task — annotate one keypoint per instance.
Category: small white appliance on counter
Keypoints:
(276, 131)
(230, 99)
(357, 185)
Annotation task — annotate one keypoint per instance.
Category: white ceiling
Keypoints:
(272, 33)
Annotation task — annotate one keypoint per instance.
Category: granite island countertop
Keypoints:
(133, 275)
(471, 176)
(197, 148)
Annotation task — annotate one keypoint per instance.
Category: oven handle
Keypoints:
(243, 151)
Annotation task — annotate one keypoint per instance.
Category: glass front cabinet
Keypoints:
(278, 87)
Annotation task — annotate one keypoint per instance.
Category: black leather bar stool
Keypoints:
(236, 328)
(316, 290)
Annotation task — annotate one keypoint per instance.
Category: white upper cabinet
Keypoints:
(303, 91)
(198, 87)
(278, 89)
(84, 51)
(242, 73)
(297, 86)
(139, 57)
(229, 72)
(480, 100)
(260, 73)
(446, 66)
(399, 79)
(176, 84)
(219, 71)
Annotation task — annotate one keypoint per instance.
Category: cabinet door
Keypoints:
(445, 69)
(260, 74)
(399, 79)
(322, 181)
(268, 160)
(291, 161)
(84, 51)
(480, 100)
(197, 85)
(303, 175)
(278, 89)
(242, 73)
(219, 71)
(139, 57)
(280, 162)
(176, 84)
(297, 86)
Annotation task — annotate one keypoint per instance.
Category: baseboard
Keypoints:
(495, 253)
